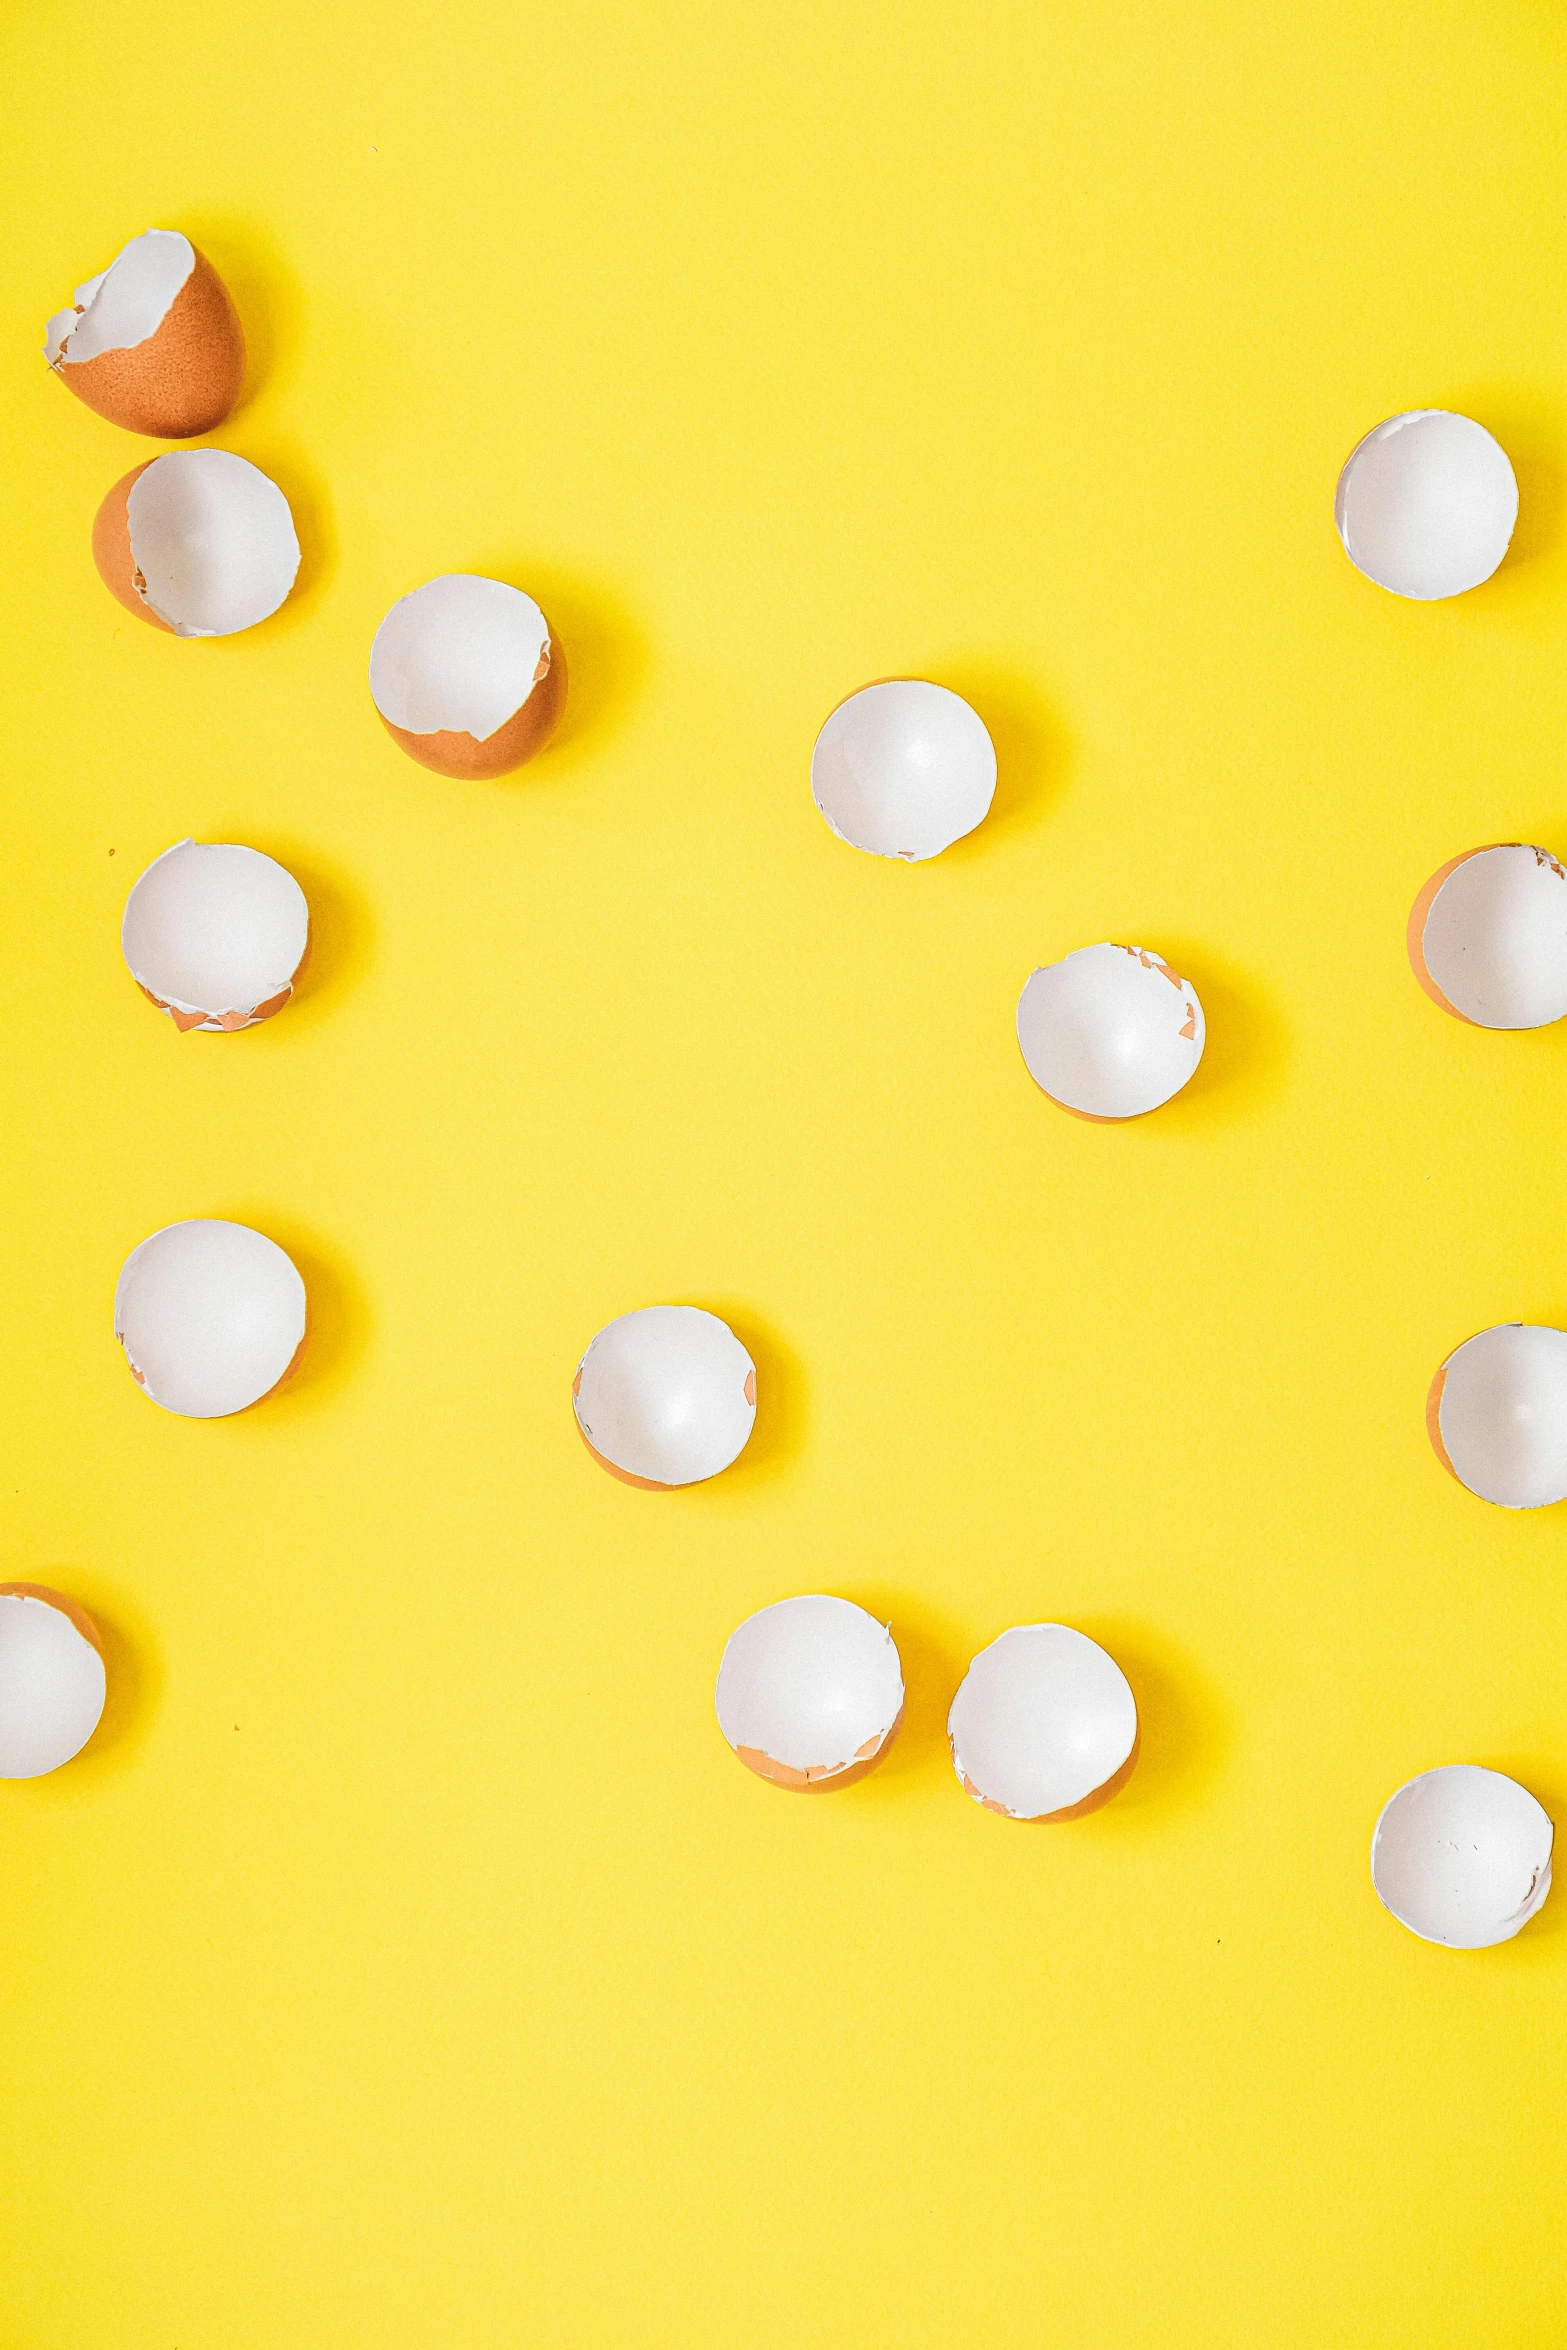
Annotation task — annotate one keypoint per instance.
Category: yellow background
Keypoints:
(408, 1962)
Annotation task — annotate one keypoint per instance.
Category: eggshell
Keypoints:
(198, 542)
(665, 1396)
(52, 1682)
(1497, 1415)
(211, 1316)
(1109, 1032)
(465, 675)
(810, 1692)
(1462, 1856)
(1488, 937)
(1426, 504)
(216, 935)
(903, 769)
(1044, 1726)
(153, 342)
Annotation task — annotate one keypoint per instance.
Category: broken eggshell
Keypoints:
(1426, 504)
(52, 1681)
(903, 769)
(153, 342)
(1497, 1415)
(1044, 1726)
(665, 1396)
(1488, 937)
(198, 542)
(810, 1692)
(211, 1316)
(1462, 1856)
(465, 675)
(1109, 1032)
(215, 935)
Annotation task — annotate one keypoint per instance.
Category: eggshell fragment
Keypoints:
(810, 1692)
(1044, 1726)
(198, 542)
(1497, 1415)
(52, 1682)
(1426, 504)
(903, 769)
(1110, 1031)
(1462, 1856)
(211, 1316)
(665, 1396)
(215, 935)
(465, 675)
(1488, 937)
(153, 342)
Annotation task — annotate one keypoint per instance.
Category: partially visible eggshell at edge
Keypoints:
(198, 542)
(1426, 504)
(1109, 1032)
(903, 769)
(215, 935)
(211, 1316)
(810, 1692)
(1462, 1856)
(466, 676)
(665, 1396)
(1044, 1726)
(52, 1680)
(1488, 937)
(1497, 1415)
(153, 342)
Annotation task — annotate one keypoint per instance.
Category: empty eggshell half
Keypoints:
(211, 1316)
(903, 769)
(1426, 504)
(665, 1396)
(810, 1692)
(198, 542)
(153, 342)
(1497, 1415)
(465, 675)
(1110, 1031)
(1462, 1856)
(1044, 1726)
(52, 1683)
(1488, 937)
(215, 935)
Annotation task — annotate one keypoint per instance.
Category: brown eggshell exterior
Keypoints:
(1094, 1800)
(1416, 934)
(184, 379)
(111, 550)
(815, 1782)
(1434, 1410)
(451, 752)
(1094, 1117)
(67, 1607)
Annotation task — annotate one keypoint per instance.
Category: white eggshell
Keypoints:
(1426, 504)
(1109, 1031)
(215, 934)
(1488, 937)
(213, 540)
(211, 1316)
(1462, 1856)
(1497, 1414)
(52, 1686)
(461, 653)
(809, 1691)
(666, 1396)
(1044, 1725)
(125, 304)
(903, 769)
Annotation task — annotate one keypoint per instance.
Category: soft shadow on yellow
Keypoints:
(1246, 1047)
(342, 932)
(778, 1437)
(607, 656)
(1183, 1723)
(338, 1324)
(1034, 752)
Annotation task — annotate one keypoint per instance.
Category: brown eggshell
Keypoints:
(184, 379)
(1434, 1405)
(111, 548)
(67, 1607)
(815, 1782)
(1416, 936)
(463, 755)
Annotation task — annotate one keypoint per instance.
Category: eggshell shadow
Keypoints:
(133, 1677)
(934, 1656)
(1033, 749)
(1246, 1045)
(338, 1319)
(778, 1438)
(1533, 440)
(607, 658)
(1184, 1726)
(342, 932)
(1546, 1780)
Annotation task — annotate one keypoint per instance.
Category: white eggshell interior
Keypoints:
(52, 1687)
(1495, 938)
(903, 769)
(124, 303)
(1462, 1856)
(1043, 1717)
(212, 927)
(662, 1394)
(1426, 504)
(213, 539)
(460, 653)
(210, 1315)
(1503, 1414)
(1110, 1030)
(812, 1682)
